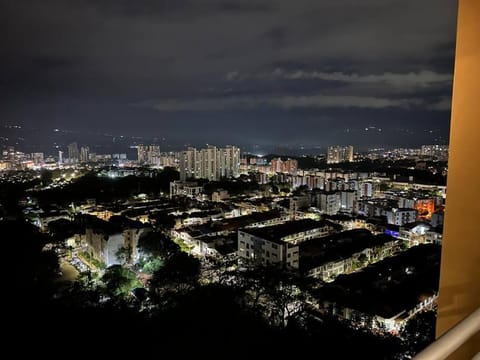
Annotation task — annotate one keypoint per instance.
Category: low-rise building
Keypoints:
(219, 195)
(279, 244)
(348, 222)
(329, 202)
(200, 236)
(437, 218)
(185, 188)
(216, 246)
(326, 258)
(348, 199)
(433, 237)
(414, 233)
(401, 216)
(385, 295)
(373, 207)
(104, 240)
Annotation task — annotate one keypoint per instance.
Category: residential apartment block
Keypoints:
(211, 163)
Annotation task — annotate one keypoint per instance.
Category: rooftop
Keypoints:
(115, 225)
(235, 223)
(391, 286)
(344, 217)
(320, 251)
(232, 224)
(414, 224)
(224, 244)
(277, 232)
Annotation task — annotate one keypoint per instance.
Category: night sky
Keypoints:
(273, 72)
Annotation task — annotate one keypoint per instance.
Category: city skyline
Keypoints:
(269, 73)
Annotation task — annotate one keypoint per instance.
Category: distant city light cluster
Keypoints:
(319, 216)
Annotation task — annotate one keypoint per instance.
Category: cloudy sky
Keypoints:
(271, 72)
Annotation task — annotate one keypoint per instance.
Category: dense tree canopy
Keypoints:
(106, 189)
(25, 261)
(179, 273)
(119, 280)
(157, 244)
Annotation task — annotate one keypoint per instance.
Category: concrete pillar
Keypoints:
(460, 269)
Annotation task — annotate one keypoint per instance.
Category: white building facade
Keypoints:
(211, 163)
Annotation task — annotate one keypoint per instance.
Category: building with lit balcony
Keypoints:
(279, 244)
(211, 163)
(148, 154)
(338, 154)
(401, 216)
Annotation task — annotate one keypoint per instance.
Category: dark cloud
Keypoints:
(265, 57)
(316, 101)
(278, 36)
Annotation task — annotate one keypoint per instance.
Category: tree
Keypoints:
(48, 266)
(46, 177)
(119, 281)
(275, 190)
(180, 273)
(384, 186)
(157, 244)
(363, 260)
(152, 265)
(60, 230)
(271, 291)
(420, 331)
(164, 220)
(300, 190)
(29, 271)
(124, 254)
(283, 297)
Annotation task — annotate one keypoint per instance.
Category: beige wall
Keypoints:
(460, 274)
